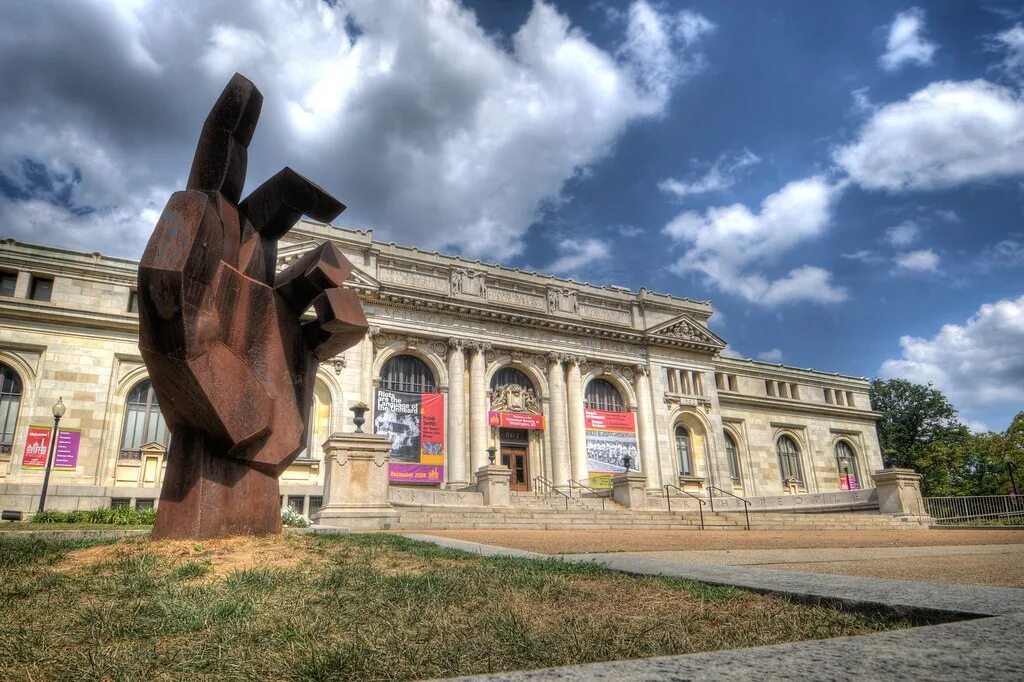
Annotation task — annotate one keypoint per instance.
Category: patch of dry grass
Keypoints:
(354, 607)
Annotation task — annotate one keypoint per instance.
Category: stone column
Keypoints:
(628, 490)
(646, 430)
(456, 414)
(478, 441)
(493, 480)
(577, 424)
(560, 467)
(899, 494)
(356, 482)
(366, 369)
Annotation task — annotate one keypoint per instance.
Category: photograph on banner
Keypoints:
(611, 437)
(414, 423)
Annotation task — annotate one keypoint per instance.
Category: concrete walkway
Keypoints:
(989, 645)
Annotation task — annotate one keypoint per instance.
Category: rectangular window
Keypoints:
(783, 390)
(120, 502)
(133, 301)
(8, 280)
(315, 502)
(849, 398)
(296, 502)
(720, 381)
(794, 391)
(769, 388)
(828, 395)
(144, 503)
(839, 398)
(733, 386)
(41, 288)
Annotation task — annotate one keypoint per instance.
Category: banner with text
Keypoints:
(516, 420)
(414, 422)
(610, 437)
(37, 448)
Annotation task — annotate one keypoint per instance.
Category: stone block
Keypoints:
(492, 480)
(356, 483)
(630, 490)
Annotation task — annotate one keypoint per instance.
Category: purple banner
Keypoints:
(65, 455)
(416, 473)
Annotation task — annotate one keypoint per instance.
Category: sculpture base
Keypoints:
(209, 495)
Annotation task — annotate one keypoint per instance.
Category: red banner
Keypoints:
(37, 447)
(516, 420)
(432, 428)
(597, 420)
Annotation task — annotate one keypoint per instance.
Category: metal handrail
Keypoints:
(745, 501)
(700, 508)
(596, 493)
(550, 486)
(977, 508)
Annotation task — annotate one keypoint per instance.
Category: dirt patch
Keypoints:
(223, 557)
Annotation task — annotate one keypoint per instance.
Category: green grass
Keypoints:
(117, 516)
(376, 607)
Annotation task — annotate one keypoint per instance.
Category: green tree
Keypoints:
(919, 429)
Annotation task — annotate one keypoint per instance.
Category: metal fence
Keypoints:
(979, 510)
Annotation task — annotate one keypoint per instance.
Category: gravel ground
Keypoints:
(587, 541)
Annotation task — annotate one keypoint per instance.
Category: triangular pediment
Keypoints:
(685, 331)
(288, 253)
(153, 447)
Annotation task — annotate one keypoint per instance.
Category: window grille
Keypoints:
(789, 460)
(733, 456)
(683, 451)
(143, 422)
(407, 374)
(10, 402)
(315, 503)
(602, 395)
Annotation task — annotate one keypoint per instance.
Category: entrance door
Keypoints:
(515, 459)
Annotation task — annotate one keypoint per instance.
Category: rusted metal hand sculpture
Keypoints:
(231, 360)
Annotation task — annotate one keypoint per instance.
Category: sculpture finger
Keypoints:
(325, 267)
(276, 205)
(222, 153)
(339, 324)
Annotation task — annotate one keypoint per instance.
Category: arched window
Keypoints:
(732, 455)
(511, 375)
(602, 395)
(407, 374)
(10, 402)
(849, 475)
(319, 422)
(789, 460)
(143, 422)
(683, 451)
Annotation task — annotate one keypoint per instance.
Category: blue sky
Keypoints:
(843, 179)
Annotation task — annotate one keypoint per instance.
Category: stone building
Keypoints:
(563, 379)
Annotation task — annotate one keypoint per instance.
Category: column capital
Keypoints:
(641, 369)
(373, 330)
(456, 343)
(578, 360)
(555, 358)
(477, 346)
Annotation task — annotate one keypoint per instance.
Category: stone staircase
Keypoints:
(531, 512)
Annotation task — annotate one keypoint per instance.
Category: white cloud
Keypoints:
(578, 255)
(431, 130)
(722, 175)
(903, 234)
(773, 355)
(946, 134)
(906, 44)
(729, 244)
(629, 231)
(730, 352)
(864, 256)
(948, 215)
(978, 364)
(1012, 42)
(923, 260)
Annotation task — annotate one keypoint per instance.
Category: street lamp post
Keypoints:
(58, 412)
(1010, 466)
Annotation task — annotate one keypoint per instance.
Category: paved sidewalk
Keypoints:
(989, 645)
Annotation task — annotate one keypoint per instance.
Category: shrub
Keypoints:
(115, 516)
(290, 517)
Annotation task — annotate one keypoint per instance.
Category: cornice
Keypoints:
(33, 311)
(726, 398)
(811, 377)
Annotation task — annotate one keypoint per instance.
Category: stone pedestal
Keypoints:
(356, 483)
(493, 481)
(899, 494)
(629, 490)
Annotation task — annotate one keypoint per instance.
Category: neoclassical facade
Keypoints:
(564, 380)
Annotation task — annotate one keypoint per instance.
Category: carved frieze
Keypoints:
(520, 299)
(413, 280)
(563, 302)
(601, 314)
(514, 398)
(468, 283)
(704, 403)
